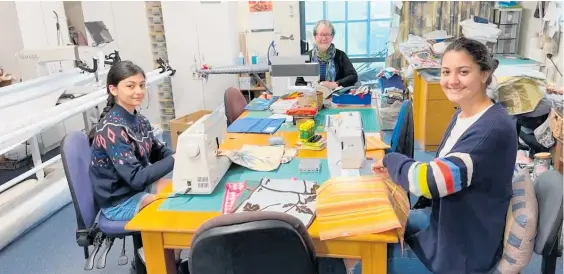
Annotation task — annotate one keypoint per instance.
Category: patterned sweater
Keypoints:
(126, 157)
(470, 189)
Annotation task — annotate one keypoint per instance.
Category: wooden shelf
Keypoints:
(255, 89)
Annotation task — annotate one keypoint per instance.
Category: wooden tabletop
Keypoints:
(151, 219)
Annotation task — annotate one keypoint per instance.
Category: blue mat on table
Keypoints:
(212, 202)
(369, 118)
(255, 125)
(260, 103)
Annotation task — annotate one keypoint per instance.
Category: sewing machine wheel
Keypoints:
(191, 150)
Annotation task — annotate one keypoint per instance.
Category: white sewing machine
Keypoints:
(345, 140)
(284, 70)
(197, 168)
(34, 63)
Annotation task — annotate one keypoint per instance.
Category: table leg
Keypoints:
(158, 260)
(374, 258)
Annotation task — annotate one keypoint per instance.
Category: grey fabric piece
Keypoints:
(549, 191)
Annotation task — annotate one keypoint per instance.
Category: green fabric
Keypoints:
(213, 202)
(368, 115)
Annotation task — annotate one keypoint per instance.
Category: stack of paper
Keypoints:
(281, 106)
(349, 206)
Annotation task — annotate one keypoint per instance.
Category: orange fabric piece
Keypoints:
(350, 206)
(374, 142)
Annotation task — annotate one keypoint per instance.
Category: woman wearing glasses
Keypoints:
(335, 67)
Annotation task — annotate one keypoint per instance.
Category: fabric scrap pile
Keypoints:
(483, 32)
(521, 92)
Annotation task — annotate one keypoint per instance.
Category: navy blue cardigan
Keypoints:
(126, 157)
(470, 189)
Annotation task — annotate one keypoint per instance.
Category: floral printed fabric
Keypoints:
(289, 154)
(294, 197)
(259, 158)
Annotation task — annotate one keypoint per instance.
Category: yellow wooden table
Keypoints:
(163, 231)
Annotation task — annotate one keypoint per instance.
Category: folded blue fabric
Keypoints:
(256, 125)
(258, 104)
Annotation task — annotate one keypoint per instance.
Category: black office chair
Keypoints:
(252, 243)
(548, 243)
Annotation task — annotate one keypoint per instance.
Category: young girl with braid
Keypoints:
(127, 159)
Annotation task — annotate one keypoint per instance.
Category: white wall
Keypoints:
(128, 25)
(200, 33)
(29, 25)
(11, 33)
(38, 24)
(286, 22)
(528, 42)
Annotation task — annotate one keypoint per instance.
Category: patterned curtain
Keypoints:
(419, 17)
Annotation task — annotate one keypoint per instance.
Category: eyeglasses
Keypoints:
(324, 35)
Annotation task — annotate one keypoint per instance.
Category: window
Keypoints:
(361, 30)
(361, 27)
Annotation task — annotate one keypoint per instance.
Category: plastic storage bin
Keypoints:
(348, 99)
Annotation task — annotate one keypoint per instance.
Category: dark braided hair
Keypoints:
(479, 52)
(118, 72)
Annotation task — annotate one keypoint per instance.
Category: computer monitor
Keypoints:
(99, 32)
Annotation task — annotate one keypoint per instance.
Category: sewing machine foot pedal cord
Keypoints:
(108, 242)
(98, 239)
(123, 258)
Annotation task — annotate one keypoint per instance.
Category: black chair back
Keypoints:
(252, 243)
(549, 191)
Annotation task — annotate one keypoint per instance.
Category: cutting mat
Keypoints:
(212, 202)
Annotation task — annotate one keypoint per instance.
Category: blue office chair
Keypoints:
(403, 140)
(402, 135)
(548, 243)
(252, 243)
(93, 228)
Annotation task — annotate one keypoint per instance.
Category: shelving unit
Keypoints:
(255, 89)
(509, 22)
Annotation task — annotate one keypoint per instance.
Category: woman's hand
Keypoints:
(379, 168)
(329, 85)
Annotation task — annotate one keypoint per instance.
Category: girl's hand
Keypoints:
(379, 168)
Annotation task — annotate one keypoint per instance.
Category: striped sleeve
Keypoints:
(441, 177)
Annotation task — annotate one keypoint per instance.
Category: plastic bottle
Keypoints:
(254, 59)
(241, 58)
